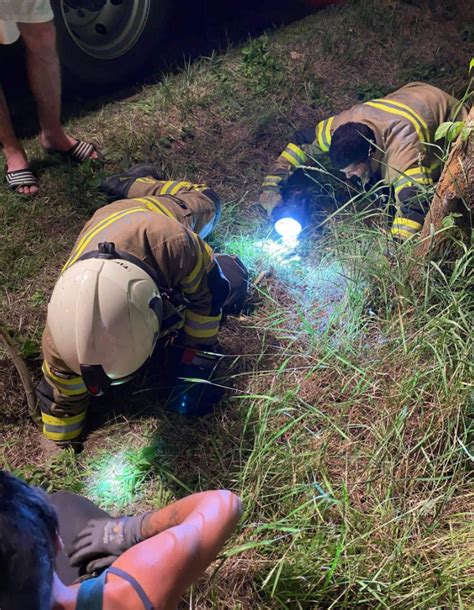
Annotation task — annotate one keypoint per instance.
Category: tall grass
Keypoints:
(357, 483)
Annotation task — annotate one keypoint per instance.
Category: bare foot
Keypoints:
(62, 142)
(16, 159)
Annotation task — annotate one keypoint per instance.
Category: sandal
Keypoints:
(20, 177)
(78, 153)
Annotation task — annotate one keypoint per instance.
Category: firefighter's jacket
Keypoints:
(160, 224)
(404, 124)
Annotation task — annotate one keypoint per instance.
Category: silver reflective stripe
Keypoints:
(293, 155)
(66, 386)
(64, 429)
(169, 186)
(398, 226)
(202, 325)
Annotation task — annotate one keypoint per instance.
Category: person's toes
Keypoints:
(28, 190)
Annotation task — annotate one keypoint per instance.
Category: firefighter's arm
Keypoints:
(187, 263)
(306, 142)
(205, 289)
(409, 186)
(62, 396)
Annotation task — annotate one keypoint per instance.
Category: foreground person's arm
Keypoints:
(181, 541)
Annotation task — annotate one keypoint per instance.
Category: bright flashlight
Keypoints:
(289, 221)
(288, 228)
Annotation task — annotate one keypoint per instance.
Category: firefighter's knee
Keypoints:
(214, 197)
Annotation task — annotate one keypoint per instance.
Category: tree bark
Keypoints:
(454, 195)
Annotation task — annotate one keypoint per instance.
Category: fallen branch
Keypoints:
(20, 366)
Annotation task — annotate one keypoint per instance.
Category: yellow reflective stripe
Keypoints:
(63, 421)
(69, 387)
(272, 180)
(86, 235)
(412, 224)
(267, 183)
(412, 112)
(208, 249)
(412, 181)
(61, 436)
(179, 186)
(191, 282)
(401, 233)
(98, 228)
(200, 334)
(327, 132)
(204, 327)
(289, 157)
(413, 171)
(385, 108)
(202, 330)
(166, 186)
(197, 317)
(197, 187)
(47, 371)
(298, 152)
(319, 131)
(63, 428)
(155, 205)
(146, 180)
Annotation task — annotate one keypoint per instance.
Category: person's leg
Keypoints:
(44, 74)
(14, 151)
(73, 514)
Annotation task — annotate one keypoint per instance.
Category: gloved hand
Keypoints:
(269, 200)
(103, 540)
(188, 397)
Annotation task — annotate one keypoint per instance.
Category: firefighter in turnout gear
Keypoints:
(389, 139)
(111, 303)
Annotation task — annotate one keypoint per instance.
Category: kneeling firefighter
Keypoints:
(116, 297)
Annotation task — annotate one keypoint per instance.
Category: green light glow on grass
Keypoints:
(321, 286)
(308, 276)
(116, 479)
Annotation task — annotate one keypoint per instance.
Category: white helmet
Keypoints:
(104, 317)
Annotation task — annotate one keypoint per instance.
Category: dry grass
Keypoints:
(345, 426)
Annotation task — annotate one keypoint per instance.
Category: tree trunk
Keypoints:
(454, 195)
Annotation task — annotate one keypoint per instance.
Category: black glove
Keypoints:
(193, 397)
(103, 540)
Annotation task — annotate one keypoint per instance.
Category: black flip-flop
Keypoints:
(21, 177)
(78, 153)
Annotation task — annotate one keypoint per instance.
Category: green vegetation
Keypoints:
(346, 425)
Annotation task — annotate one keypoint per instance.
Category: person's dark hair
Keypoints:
(351, 143)
(28, 529)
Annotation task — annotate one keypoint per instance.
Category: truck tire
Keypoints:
(109, 42)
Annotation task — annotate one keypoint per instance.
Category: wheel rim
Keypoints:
(109, 32)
